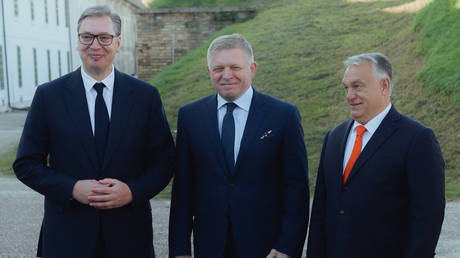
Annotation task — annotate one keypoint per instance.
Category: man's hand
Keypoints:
(83, 189)
(111, 193)
(275, 254)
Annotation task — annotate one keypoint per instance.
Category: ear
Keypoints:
(253, 68)
(118, 44)
(385, 85)
(209, 71)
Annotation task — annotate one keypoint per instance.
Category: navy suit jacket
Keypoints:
(392, 204)
(265, 200)
(57, 148)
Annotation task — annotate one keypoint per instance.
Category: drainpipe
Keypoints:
(6, 63)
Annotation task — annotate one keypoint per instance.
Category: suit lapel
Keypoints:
(383, 132)
(341, 152)
(213, 131)
(77, 108)
(122, 103)
(256, 116)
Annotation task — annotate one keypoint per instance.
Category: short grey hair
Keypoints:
(380, 64)
(229, 42)
(98, 11)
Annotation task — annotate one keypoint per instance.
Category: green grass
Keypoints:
(6, 161)
(439, 24)
(300, 47)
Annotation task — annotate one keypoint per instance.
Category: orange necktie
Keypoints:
(356, 151)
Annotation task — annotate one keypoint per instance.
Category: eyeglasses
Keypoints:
(88, 39)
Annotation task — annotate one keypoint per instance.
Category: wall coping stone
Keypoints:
(195, 10)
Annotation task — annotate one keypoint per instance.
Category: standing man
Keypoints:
(97, 145)
(241, 179)
(380, 185)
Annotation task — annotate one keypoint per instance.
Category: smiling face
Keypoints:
(96, 59)
(366, 95)
(230, 72)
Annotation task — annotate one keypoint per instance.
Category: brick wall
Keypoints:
(167, 34)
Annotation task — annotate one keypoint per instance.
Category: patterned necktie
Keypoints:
(355, 153)
(228, 136)
(101, 121)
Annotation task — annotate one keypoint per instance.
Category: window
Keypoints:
(2, 84)
(16, 8)
(46, 11)
(59, 62)
(19, 67)
(57, 12)
(66, 4)
(35, 67)
(32, 10)
(49, 63)
(68, 61)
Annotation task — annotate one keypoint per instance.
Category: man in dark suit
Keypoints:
(97, 145)
(241, 178)
(380, 184)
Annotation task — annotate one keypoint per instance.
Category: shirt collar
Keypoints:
(89, 81)
(243, 102)
(374, 123)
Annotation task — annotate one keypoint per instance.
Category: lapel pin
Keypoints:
(266, 134)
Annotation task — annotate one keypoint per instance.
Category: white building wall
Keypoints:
(125, 61)
(45, 34)
(26, 33)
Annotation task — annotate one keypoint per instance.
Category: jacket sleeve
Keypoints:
(181, 215)
(425, 172)
(31, 166)
(316, 247)
(294, 189)
(160, 148)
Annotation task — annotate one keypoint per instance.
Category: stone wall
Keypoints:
(166, 35)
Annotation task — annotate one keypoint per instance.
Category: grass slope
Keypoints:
(439, 24)
(300, 47)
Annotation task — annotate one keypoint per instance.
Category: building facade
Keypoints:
(38, 43)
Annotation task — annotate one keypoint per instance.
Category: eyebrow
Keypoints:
(353, 82)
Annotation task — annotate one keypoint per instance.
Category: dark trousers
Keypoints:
(101, 250)
(230, 246)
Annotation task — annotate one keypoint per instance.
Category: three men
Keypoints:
(97, 145)
(241, 179)
(380, 184)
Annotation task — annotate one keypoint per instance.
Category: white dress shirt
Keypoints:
(91, 92)
(240, 115)
(370, 126)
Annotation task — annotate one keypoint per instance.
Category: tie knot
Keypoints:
(230, 107)
(360, 130)
(99, 87)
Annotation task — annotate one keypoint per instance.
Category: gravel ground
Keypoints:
(21, 210)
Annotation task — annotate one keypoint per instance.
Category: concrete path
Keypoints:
(21, 210)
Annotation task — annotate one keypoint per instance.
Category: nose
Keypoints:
(227, 74)
(350, 94)
(95, 44)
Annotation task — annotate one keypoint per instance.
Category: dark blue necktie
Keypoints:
(228, 136)
(101, 120)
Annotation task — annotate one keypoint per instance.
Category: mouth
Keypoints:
(96, 56)
(354, 105)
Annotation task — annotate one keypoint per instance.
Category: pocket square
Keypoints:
(267, 134)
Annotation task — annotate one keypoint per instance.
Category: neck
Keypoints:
(97, 74)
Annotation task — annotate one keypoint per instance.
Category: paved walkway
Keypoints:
(21, 210)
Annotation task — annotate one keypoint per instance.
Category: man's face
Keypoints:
(230, 72)
(97, 59)
(366, 96)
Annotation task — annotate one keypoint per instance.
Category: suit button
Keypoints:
(231, 185)
(341, 212)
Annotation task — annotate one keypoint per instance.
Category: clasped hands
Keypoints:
(103, 194)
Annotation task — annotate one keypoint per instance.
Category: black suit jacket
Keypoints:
(265, 199)
(392, 204)
(57, 148)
